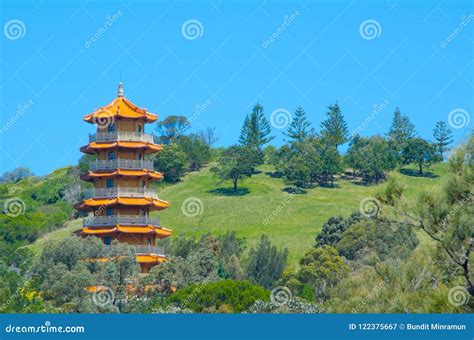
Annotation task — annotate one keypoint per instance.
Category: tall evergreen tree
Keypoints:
(443, 136)
(401, 131)
(255, 131)
(300, 127)
(334, 128)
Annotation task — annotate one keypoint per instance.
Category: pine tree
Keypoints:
(300, 127)
(443, 136)
(401, 131)
(334, 128)
(255, 131)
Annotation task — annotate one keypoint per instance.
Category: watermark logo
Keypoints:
(103, 296)
(21, 109)
(109, 21)
(458, 296)
(280, 118)
(287, 21)
(105, 120)
(192, 29)
(14, 29)
(465, 20)
(370, 207)
(459, 118)
(192, 207)
(14, 207)
(281, 295)
(370, 29)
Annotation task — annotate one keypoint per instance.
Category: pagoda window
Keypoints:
(110, 183)
(111, 127)
(139, 129)
(143, 184)
(107, 241)
(140, 156)
(111, 155)
(110, 211)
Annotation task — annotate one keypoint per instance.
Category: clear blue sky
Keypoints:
(317, 57)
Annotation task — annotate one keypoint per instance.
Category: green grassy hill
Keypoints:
(290, 221)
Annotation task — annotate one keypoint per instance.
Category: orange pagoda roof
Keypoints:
(119, 172)
(149, 147)
(120, 107)
(149, 229)
(152, 203)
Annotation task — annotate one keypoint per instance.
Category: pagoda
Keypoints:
(121, 200)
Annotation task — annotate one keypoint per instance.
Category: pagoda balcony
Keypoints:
(124, 136)
(120, 192)
(101, 221)
(142, 250)
(114, 164)
(150, 250)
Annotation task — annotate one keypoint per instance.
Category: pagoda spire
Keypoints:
(120, 89)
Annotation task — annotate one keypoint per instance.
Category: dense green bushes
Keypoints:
(226, 296)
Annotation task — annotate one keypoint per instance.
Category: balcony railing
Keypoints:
(99, 221)
(123, 136)
(150, 250)
(139, 250)
(120, 164)
(120, 192)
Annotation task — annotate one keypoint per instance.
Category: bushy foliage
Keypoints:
(172, 161)
(294, 306)
(266, 263)
(384, 238)
(198, 153)
(226, 296)
(236, 163)
(333, 229)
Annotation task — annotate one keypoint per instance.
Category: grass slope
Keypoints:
(292, 221)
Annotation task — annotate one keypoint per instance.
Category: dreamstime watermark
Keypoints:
(278, 209)
(198, 110)
(287, 21)
(12, 297)
(21, 109)
(103, 296)
(459, 118)
(370, 207)
(14, 29)
(105, 120)
(281, 295)
(192, 207)
(458, 296)
(109, 21)
(465, 20)
(467, 198)
(370, 29)
(280, 118)
(375, 290)
(46, 328)
(14, 207)
(192, 29)
(377, 109)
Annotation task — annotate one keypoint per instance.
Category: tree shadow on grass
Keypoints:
(414, 173)
(229, 191)
(294, 190)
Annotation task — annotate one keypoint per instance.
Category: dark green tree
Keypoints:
(236, 163)
(173, 162)
(420, 151)
(266, 263)
(401, 131)
(443, 136)
(197, 151)
(334, 127)
(300, 127)
(171, 128)
(255, 132)
(370, 157)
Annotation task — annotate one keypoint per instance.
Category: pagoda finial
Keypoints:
(120, 89)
